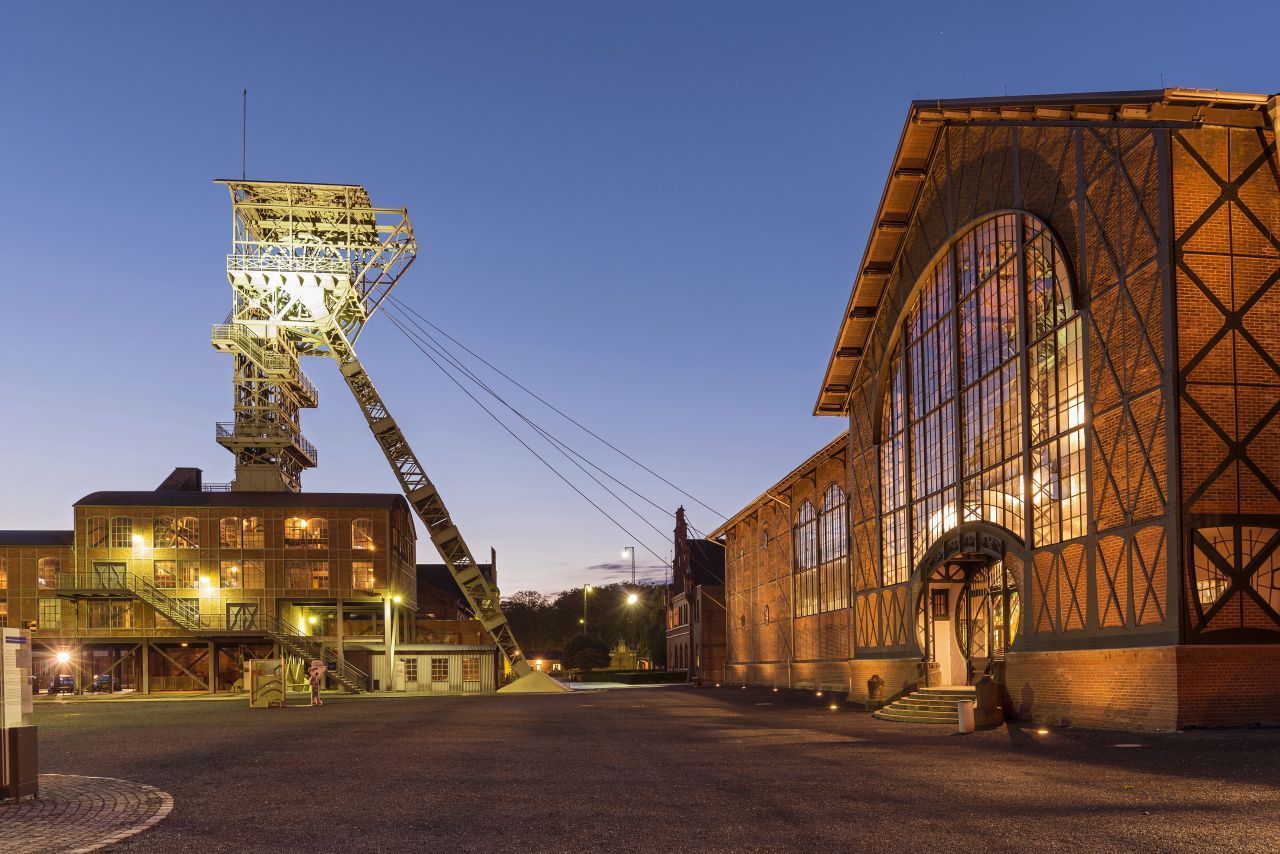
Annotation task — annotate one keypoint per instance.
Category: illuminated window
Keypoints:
(110, 614)
(471, 668)
(187, 533)
(306, 533)
(229, 532)
(4, 614)
(833, 531)
(253, 575)
(439, 670)
(165, 574)
(189, 574)
(96, 536)
(953, 447)
(230, 575)
(50, 613)
(410, 669)
(806, 565)
(4, 573)
(362, 534)
(166, 532)
(121, 532)
(47, 569)
(251, 532)
(362, 574)
(307, 574)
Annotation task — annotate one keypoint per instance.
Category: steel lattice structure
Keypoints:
(309, 265)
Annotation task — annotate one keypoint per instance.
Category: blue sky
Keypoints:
(648, 212)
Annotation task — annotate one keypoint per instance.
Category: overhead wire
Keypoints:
(404, 331)
(409, 309)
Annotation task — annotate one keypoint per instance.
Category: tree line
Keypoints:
(553, 626)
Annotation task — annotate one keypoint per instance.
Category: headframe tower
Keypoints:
(309, 265)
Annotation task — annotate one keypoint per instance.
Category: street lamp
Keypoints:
(631, 600)
(586, 588)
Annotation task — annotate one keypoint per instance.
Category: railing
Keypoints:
(253, 346)
(284, 263)
(268, 433)
(215, 487)
(188, 617)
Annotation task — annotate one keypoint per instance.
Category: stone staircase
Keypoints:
(927, 706)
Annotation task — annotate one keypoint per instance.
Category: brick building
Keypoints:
(1062, 463)
(172, 589)
(695, 606)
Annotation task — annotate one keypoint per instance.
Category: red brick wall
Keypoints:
(1104, 688)
(1228, 685)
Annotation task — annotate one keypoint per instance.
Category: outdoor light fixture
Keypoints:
(204, 581)
(834, 707)
(63, 657)
(819, 694)
(396, 598)
(137, 541)
(632, 599)
(311, 620)
(582, 621)
(184, 644)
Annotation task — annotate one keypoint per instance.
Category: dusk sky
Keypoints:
(648, 213)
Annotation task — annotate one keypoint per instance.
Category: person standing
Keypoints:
(315, 676)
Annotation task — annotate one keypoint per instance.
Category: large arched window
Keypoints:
(833, 536)
(961, 440)
(806, 566)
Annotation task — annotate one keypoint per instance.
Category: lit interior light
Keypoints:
(235, 569)
(137, 540)
(63, 657)
(204, 581)
(302, 523)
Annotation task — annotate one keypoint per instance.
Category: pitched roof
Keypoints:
(36, 538)
(191, 498)
(916, 148)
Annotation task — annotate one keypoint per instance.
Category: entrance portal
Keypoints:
(967, 618)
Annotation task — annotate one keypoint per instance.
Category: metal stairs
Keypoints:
(927, 706)
(189, 618)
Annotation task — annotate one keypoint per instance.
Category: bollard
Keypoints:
(964, 716)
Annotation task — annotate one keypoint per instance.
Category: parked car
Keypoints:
(62, 683)
(104, 682)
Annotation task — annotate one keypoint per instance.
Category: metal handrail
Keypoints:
(286, 633)
(280, 262)
(268, 432)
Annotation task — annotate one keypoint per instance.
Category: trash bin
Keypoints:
(964, 716)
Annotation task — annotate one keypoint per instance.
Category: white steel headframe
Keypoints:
(309, 264)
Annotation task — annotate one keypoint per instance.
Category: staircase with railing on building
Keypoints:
(115, 581)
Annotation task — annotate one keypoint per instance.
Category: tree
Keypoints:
(584, 652)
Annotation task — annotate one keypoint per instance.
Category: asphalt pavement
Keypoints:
(665, 769)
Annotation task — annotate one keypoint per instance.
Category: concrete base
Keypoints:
(536, 682)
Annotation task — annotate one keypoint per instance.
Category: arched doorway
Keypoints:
(969, 605)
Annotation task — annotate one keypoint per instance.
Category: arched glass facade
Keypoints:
(983, 411)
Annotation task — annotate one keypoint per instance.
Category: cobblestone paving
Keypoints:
(75, 813)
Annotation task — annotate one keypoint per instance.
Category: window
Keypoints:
(471, 668)
(166, 533)
(833, 530)
(229, 574)
(306, 533)
(4, 573)
(171, 533)
(96, 537)
(362, 574)
(806, 566)
(307, 574)
(165, 574)
(121, 532)
(251, 532)
(189, 574)
(4, 614)
(253, 575)
(110, 614)
(47, 569)
(439, 670)
(50, 613)
(229, 532)
(410, 669)
(187, 533)
(952, 432)
(362, 534)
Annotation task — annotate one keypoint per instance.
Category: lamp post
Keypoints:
(586, 588)
(632, 599)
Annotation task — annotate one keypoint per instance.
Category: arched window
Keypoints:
(121, 532)
(806, 565)
(362, 534)
(252, 532)
(96, 534)
(953, 445)
(165, 533)
(317, 533)
(229, 533)
(833, 531)
(187, 532)
(47, 569)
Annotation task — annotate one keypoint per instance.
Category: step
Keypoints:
(897, 717)
(931, 705)
(907, 711)
(957, 690)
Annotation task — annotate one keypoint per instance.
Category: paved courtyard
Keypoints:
(657, 769)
